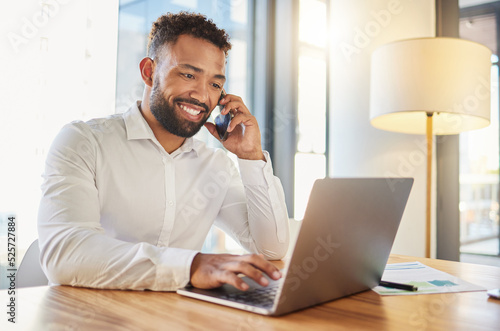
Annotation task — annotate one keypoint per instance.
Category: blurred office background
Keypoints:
(302, 68)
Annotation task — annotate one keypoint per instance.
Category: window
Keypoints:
(479, 150)
(311, 154)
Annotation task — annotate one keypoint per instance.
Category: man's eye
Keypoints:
(188, 75)
(217, 86)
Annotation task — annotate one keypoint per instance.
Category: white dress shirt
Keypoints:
(117, 211)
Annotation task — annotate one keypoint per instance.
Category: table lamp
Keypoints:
(431, 86)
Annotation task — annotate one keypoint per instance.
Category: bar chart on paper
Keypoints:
(427, 279)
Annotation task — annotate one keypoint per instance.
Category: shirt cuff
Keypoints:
(174, 269)
(256, 172)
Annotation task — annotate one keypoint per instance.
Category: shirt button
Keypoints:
(171, 203)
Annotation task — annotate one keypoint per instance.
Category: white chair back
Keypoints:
(30, 271)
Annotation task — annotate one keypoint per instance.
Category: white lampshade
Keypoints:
(448, 77)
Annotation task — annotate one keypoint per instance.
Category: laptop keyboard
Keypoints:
(261, 297)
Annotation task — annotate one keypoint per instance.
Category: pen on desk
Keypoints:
(406, 287)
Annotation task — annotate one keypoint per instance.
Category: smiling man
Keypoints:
(129, 199)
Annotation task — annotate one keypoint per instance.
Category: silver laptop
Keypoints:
(342, 248)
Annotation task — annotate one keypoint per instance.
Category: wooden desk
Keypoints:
(68, 308)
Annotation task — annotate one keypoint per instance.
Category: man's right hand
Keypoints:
(214, 270)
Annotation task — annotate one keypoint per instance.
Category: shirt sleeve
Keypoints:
(264, 229)
(74, 248)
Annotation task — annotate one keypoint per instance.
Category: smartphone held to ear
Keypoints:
(222, 121)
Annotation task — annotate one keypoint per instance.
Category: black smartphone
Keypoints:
(222, 121)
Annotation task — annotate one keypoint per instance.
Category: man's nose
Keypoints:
(200, 92)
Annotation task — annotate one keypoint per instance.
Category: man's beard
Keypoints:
(172, 122)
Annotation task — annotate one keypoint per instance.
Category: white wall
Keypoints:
(356, 148)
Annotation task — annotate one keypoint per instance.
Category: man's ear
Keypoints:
(147, 70)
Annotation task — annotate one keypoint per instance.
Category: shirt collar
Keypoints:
(135, 124)
(188, 146)
(137, 128)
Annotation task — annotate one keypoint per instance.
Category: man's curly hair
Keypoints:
(169, 27)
